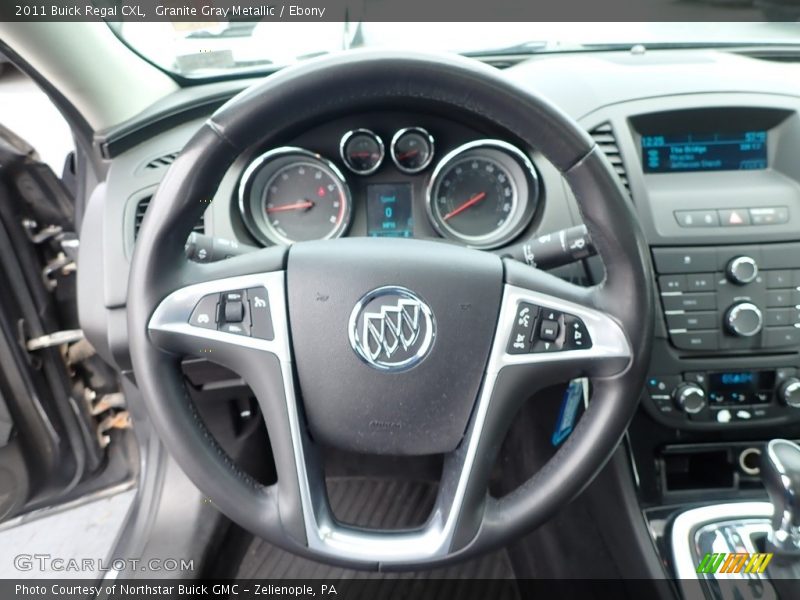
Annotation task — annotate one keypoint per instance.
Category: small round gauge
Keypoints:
(362, 151)
(483, 194)
(292, 195)
(412, 149)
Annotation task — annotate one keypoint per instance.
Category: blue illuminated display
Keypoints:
(736, 378)
(389, 210)
(745, 150)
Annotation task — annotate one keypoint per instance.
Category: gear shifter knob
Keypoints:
(780, 473)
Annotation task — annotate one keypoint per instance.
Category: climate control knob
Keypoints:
(742, 270)
(789, 392)
(744, 319)
(690, 398)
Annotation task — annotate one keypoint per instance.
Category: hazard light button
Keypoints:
(734, 217)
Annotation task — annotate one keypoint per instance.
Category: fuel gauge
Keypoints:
(412, 149)
(362, 151)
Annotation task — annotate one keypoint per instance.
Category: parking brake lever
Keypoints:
(553, 249)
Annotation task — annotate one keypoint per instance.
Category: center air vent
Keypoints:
(141, 209)
(607, 142)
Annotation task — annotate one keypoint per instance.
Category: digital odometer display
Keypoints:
(746, 150)
(389, 210)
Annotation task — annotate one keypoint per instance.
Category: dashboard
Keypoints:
(704, 143)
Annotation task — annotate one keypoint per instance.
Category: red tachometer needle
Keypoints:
(471, 202)
(301, 205)
(408, 154)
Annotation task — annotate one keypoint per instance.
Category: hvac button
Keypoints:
(260, 314)
(205, 313)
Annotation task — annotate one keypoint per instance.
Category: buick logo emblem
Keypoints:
(391, 329)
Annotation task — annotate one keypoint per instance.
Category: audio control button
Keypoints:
(744, 319)
(742, 270)
(696, 340)
(778, 337)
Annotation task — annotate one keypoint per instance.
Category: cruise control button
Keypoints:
(260, 315)
(520, 340)
(205, 313)
(576, 336)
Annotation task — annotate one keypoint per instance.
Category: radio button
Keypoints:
(693, 320)
(672, 283)
(779, 317)
(779, 279)
(777, 337)
(742, 270)
(779, 298)
(685, 260)
(690, 302)
(696, 340)
(701, 282)
(780, 256)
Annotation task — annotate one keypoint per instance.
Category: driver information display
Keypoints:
(746, 150)
(389, 210)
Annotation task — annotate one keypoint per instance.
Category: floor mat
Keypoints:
(389, 505)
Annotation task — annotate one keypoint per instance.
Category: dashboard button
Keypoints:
(685, 260)
(548, 330)
(779, 317)
(260, 315)
(205, 313)
(777, 337)
(770, 215)
(734, 217)
(701, 282)
(697, 218)
(234, 311)
(672, 283)
(690, 302)
(696, 340)
(780, 256)
(576, 336)
(693, 320)
(236, 328)
(779, 298)
(779, 279)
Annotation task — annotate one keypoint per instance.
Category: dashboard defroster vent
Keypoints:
(604, 137)
(141, 209)
(161, 162)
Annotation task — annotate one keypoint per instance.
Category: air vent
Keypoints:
(604, 137)
(141, 209)
(162, 161)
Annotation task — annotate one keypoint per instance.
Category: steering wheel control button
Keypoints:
(260, 316)
(520, 340)
(576, 336)
(742, 270)
(205, 313)
(548, 330)
(234, 308)
(744, 319)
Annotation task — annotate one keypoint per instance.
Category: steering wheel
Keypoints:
(381, 346)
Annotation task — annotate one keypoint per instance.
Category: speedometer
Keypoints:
(292, 195)
(483, 194)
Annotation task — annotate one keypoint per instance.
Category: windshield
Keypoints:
(211, 49)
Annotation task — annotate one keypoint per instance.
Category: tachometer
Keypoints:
(291, 195)
(483, 194)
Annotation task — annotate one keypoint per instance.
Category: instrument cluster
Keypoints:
(482, 193)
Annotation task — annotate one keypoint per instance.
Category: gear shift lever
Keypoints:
(780, 473)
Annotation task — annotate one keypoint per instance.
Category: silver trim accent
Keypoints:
(361, 347)
(398, 134)
(790, 386)
(743, 461)
(733, 311)
(787, 536)
(683, 391)
(269, 236)
(434, 540)
(346, 137)
(523, 209)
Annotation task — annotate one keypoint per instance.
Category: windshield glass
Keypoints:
(210, 49)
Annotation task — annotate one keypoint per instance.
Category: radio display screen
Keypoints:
(741, 381)
(389, 210)
(674, 153)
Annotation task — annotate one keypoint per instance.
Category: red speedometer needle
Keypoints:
(301, 205)
(471, 202)
(408, 154)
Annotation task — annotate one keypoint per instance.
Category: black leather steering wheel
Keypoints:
(322, 377)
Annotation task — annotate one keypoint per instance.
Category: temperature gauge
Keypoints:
(362, 151)
(412, 149)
